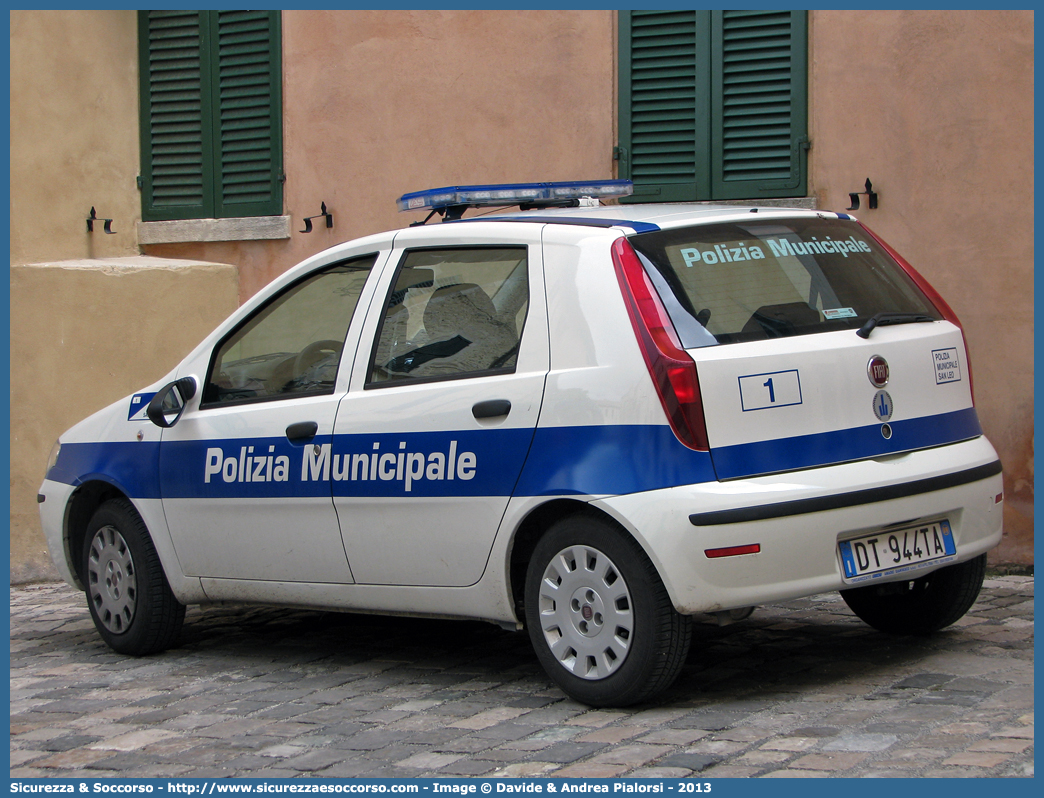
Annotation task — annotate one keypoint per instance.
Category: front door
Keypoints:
(239, 498)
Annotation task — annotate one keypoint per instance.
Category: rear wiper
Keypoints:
(879, 319)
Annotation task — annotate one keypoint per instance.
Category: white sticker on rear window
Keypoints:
(840, 313)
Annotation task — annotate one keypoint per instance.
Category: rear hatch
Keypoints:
(813, 345)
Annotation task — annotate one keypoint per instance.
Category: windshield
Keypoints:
(728, 283)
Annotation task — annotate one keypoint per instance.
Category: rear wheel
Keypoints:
(599, 617)
(131, 603)
(923, 605)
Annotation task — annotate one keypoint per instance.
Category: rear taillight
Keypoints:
(933, 296)
(672, 370)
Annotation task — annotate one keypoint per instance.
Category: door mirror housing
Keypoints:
(168, 404)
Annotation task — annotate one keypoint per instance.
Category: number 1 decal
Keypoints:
(772, 389)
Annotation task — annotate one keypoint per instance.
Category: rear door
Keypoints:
(445, 395)
(771, 313)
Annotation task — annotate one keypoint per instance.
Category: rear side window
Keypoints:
(452, 313)
(744, 282)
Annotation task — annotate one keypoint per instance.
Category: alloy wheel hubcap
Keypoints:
(585, 612)
(112, 586)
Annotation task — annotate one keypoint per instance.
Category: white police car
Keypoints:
(595, 421)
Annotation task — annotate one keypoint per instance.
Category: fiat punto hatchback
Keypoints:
(591, 421)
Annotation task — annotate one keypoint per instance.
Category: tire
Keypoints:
(612, 636)
(130, 601)
(921, 606)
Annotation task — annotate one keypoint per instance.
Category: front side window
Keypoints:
(728, 283)
(452, 313)
(292, 345)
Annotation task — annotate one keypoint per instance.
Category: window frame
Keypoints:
(369, 384)
(692, 69)
(265, 306)
(200, 104)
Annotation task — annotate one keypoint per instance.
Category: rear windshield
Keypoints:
(728, 283)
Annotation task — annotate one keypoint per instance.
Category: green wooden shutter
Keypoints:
(713, 104)
(211, 129)
(759, 120)
(176, 155)
(661, 97)
(248, 135)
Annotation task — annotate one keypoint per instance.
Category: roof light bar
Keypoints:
(507, 194)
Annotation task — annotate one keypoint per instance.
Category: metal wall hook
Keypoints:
(107, 227)
(871, 197)
(322, 212)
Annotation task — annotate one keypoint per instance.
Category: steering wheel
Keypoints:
(313, 353)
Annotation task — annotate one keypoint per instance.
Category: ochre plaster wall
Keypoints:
(379, 103)
(936, 108)
(74, 133)
(84, 334)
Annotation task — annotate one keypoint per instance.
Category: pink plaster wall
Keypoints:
(936, 108)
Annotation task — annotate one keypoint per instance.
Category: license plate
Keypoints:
(895, 551)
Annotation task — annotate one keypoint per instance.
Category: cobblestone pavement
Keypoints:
(802, 688)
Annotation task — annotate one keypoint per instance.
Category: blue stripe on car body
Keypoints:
(586, 460)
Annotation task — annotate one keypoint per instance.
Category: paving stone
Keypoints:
(67, 742)
(977, 759)
(467, 767)
(925, 680)
(792, 744)
(315, 760)
(589, 770)
(692, 762)
(1010, 745)
(428, 761)
(566, 752)
(633, 755)
(659, 773)
(828, 761)
(1025, 732)
(503, 755)
(672, 736)
(816, 731)
(861, 742)
(611, 734)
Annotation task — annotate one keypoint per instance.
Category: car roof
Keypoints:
(649, 217)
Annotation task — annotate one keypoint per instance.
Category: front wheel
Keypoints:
(599, 618)
(920, 606)
(131, 603)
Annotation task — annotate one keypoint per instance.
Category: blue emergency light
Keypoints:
(539, 195)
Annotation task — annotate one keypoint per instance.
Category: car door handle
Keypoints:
(302, 431)
(491, 408)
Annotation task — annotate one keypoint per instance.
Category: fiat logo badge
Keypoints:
(877, 371)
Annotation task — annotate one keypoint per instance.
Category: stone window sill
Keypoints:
(182, 231)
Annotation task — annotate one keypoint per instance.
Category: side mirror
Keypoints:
(167, 405)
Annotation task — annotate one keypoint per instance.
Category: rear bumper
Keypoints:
(797, 519)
